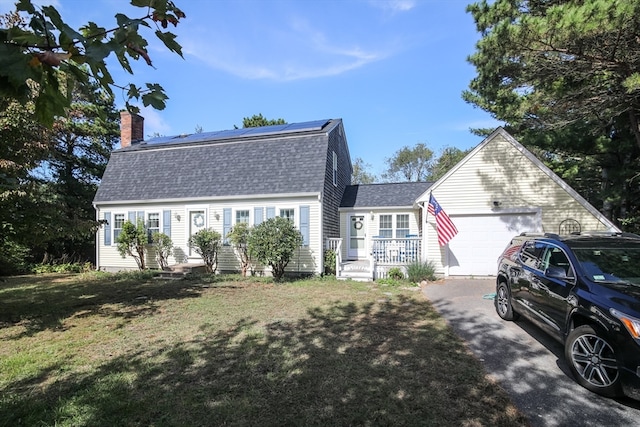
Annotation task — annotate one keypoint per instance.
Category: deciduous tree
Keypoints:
(37, 49)
(410, 164)
(360, 174)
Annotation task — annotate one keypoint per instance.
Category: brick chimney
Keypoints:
(131, 129)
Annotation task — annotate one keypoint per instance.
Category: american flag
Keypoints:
(445, 228)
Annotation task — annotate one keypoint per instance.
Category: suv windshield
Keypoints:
(610, 264)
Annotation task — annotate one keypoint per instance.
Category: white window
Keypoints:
(385, 228)
(242, 216)
(335, 169)
(153, 224)
(288, 213)
(402, 226)
(399, 228)
(118, 222)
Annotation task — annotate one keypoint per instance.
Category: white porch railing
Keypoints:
(395, 251)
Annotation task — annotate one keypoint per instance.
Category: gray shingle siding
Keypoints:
(249, 166)
(332, 193)
(381, 195)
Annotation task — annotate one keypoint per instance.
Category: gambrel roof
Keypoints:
(383, 195)
(281, 159)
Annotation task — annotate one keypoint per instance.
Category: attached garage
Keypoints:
(482, 238)
(497, 191)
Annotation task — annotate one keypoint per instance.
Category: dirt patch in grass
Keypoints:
(96, 351)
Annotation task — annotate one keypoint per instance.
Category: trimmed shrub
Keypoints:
(132, 241)
(239, 238)
(273, 243)
(206, 243)
(330, 262)
(395, 273)
(163, 246)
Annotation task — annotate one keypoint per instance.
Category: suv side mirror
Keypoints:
(556, 273)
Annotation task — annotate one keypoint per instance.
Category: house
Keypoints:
(182, 184)
(302, 171)
(500, 189)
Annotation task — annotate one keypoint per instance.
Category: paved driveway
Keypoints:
(528, 365)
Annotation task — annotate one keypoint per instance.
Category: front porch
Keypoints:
(383, 254)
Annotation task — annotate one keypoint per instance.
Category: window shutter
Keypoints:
(132, 217)
(166, 223)
(271, 212)
(226, 224)
(304, 224)
(140, 216)
(107, 229)
(258, 215)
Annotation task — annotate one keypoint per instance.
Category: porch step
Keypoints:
(178, 271)
(358, 277)
(355, 270)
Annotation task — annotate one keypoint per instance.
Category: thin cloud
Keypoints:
(303, 52)
(394, 6)
(154, 124)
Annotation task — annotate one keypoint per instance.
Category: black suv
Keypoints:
(584, 290)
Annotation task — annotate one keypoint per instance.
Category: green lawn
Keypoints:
(127, 350)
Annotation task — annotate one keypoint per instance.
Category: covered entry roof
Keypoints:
(383, 195)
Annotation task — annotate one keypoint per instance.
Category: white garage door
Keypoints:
(474, 251)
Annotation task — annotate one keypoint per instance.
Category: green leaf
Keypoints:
(169, 41)
(155, 97)
(25, 6)
(133, 92)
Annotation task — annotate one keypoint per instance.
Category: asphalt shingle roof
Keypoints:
(240, 166)
(381, 195)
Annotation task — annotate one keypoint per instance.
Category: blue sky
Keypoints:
(392, 70)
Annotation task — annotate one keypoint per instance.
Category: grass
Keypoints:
(127, 350)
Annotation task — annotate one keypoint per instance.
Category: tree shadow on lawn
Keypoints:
(385, 363)
(508, 354)
(43, 302)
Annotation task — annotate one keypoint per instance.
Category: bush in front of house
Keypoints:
(239, 238)
(163, 246)
(274, 243)
(395, 273)
(418, 271)
(206, 243)
(330, 262)
(132, 241)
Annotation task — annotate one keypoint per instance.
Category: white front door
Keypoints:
(197, 222)
(357, 234)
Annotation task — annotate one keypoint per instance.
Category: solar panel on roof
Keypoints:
(314, 125)
(265, 129)
(236, 133)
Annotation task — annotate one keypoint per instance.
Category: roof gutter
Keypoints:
(206, 198)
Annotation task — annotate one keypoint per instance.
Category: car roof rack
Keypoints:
(530, 234)
(598, 233)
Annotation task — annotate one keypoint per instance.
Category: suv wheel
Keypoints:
(592, 360)
(503, 302)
